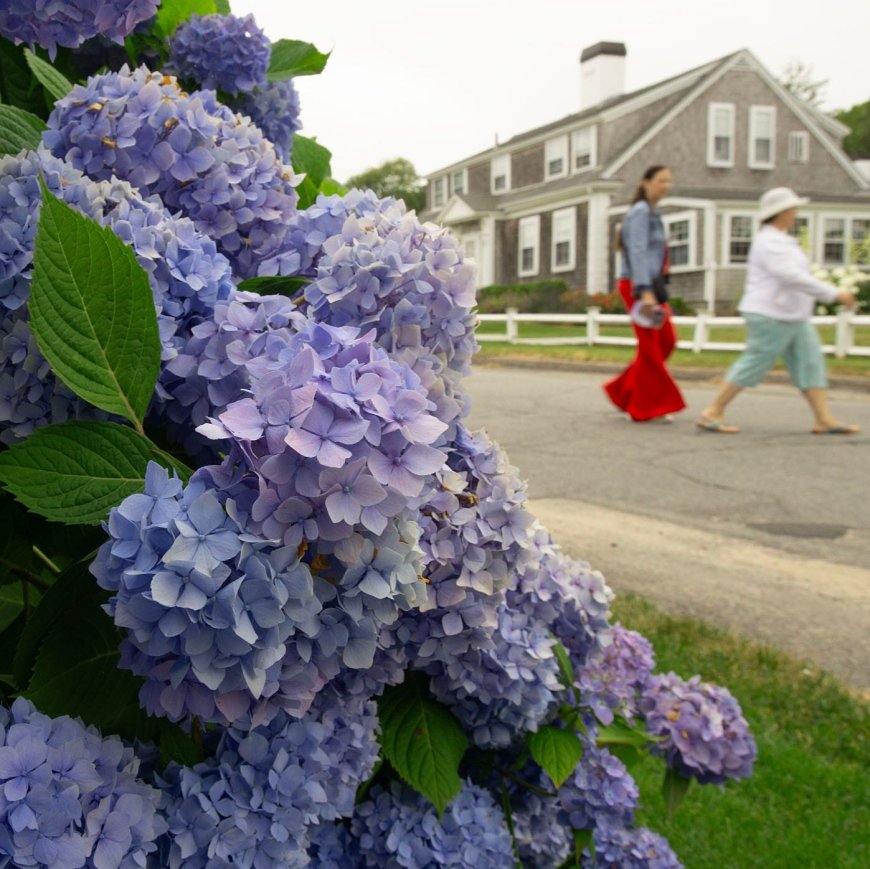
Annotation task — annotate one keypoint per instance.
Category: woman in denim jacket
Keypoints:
(645, 390)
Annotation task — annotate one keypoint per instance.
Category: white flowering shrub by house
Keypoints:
(268, 601)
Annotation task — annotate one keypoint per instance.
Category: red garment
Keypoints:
(645, 389)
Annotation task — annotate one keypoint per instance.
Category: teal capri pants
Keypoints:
(794, 341)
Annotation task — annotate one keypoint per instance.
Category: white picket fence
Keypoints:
(844, 322)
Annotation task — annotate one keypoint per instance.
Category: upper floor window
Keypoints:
(762, 130)
(720, 134)
(556, 158)
(583, 147)
(799, 146)
(680, 229)
(460, 181)
(439, 191)
(500, 173)
(562, 255)
(529, 237)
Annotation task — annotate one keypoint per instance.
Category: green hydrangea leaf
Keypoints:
(674, 788)
(312, 159)
(422, 740)
(174, 12)
(56, 84)
(291, 58)
(92, 311)
(556, 751)
(277, 285)
(76, 472)
(17, 84)
(19, 130)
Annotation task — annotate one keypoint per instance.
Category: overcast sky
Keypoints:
(436, 82)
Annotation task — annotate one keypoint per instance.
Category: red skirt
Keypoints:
(645, 389)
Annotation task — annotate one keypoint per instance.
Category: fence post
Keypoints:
(845, 334)
(702, 331)
(511, 326)
(592, 325)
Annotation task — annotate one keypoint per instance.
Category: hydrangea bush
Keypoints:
(290, 610)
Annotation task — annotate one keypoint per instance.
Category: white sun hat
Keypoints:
(777, 200)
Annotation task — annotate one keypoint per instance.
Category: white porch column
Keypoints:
(597, 243)
(710, 258)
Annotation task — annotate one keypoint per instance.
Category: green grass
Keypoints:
(808, 803)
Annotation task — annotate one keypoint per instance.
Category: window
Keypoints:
(529, 238)
(720, 134)
(680, 229)
(860, 248)
(564, 234)
(801, 231)
(740, 228)
(762, 127)
(500, 172)
(834, 245)
(439, 191)
(583, 144)
(799, 146)
(470, 246)
(556, 158)
(460, 182)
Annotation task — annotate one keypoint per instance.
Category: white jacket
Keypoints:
(779, 283)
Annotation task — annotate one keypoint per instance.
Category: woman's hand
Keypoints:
(846, 298)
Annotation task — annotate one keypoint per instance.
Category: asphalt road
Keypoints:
(766, 532)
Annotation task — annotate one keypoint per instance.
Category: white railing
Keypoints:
(844, 323)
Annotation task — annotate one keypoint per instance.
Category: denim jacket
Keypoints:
(643, 245)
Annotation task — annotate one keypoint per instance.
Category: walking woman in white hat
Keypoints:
(778, 302)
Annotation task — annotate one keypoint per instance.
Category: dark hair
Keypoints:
(640, 193)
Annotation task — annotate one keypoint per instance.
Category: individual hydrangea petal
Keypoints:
(221, 52)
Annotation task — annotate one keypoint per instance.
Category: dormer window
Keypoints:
(762, 129)
(583, 147)
(500, 173)
(556, 158)
(720, 134)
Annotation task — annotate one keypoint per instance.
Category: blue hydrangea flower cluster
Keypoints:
(599, 790)
(705, 735)
(630, 848)
(186, 273)
(399, 828)
(332, 847)
(202, 159)
(275, 109)
(612, 683)
(220, 52)
(374, 265)
(69, 23)
(254, 802)
(69, 798)
(539, 827)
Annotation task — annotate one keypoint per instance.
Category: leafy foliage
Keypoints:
(397, 178)
(19, 130)
(556, 751)
(55, 83)
(312, 159)
(291, 58)
(857, 142)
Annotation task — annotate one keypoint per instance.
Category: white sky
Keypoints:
(437, 81)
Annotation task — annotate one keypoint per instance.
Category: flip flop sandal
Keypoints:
(717, 426)
(837, 430)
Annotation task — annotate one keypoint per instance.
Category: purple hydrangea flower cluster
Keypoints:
(254, 802)
(202, 159)
(374, 265)
(501, 692)
(475, 529)
(630, 848)
(613, 682)
(600, 789)
(69, 23)
(332, 847)
(69, 798)
(539, 828)
(399, 828)
(275, 109)
(186, 273)
(220, 52)
(705, 735)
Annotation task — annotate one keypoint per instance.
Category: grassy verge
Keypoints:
(808, 804)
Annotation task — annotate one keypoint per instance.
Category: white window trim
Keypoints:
(562, 143)
(464, 181)
(712, 108)
(692, 218)
(572, 240)
(502, 158)
(593, 149)
(754, 113)
(437, 201)
(822, 216)
(533, 220)
(727, 239)
(804, 137)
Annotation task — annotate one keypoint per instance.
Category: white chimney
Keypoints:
(602, 73)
